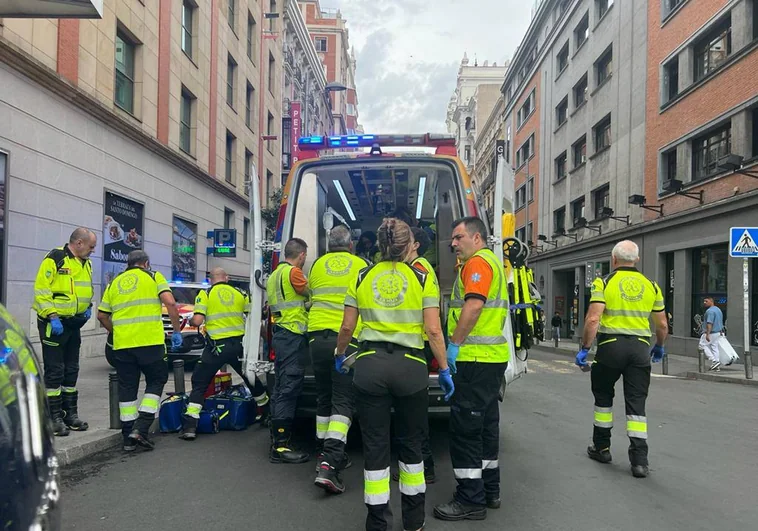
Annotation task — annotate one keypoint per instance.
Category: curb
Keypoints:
(96, 441)
(719, 378)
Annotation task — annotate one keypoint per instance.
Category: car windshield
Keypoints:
(184, 294)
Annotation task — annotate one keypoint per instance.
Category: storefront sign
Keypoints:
(122, 233)
(184, 250)
(297, 128)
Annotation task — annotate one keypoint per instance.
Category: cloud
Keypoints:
(408, 53)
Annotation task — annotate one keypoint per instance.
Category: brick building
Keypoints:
(156, 111)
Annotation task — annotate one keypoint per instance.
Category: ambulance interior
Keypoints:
(363, 194)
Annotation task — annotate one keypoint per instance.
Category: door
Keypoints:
(252, 342)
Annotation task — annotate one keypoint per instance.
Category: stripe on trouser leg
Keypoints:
(376, 486)
(322, 426)
(412, 480)
(636, 426)
(339, 425)
(603, 417)
(467, 473)
(150, 403)
(54, 392)
(193, 410)
(261, 400)
(490, 464)
(128, 411)
(69, 389)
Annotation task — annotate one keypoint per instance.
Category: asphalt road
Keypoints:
(704, 470)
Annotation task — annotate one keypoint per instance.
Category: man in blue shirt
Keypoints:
(712, 329)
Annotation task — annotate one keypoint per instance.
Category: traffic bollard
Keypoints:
(555, 341)
(179, 377)
(700, 361)
(748, 364)
(115, 417)
(665, 364)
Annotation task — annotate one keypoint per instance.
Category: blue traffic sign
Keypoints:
(743, 242)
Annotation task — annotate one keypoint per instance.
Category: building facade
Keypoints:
(141, 126)
(485, 166)
(332, 40)
(305, 103)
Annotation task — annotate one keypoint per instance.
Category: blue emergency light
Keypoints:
(353, 141)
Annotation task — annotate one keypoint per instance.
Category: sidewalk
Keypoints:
(680, 366)
(94, 409)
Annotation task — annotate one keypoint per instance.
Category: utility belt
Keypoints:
(391, 348)
(607, 337)
(215, 343)
(72, 322)
(322, 334)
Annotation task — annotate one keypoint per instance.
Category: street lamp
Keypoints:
(641, 202)
(734, 163)
(334, 86)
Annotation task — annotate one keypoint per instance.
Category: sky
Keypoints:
(409, 51)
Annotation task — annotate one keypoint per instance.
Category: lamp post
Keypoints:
(334, 86)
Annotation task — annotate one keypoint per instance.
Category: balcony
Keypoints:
(330, 13)
(286, 161)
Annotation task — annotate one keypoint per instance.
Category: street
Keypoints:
(703, 468)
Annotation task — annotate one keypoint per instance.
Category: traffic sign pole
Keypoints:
(746, 300)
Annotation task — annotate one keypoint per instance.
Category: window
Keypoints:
(713, 49)
(530, 188)
(530, 232)
(271, 72)
(508, 145)
(563, 58)
(709, 279)
(580, 92)
(185, 121)
(602, 7)
(603, 134)
(321, 43)
(560, 166)
(580, 152)
(521, 234)
(563, 7)
(251, 25)
(231, 14)
(521, 197)
(670, 5)
(249, 105)
(669, 165)
(467, 154)
(525, 152)
(562, 112)
(228, 218)
(229, 159)
(468, 124)
(188, 17)
(245, 234)
(124, 93)
(272, 9)
(248, 163)
(601, 199)
(559, 220)
(708, 149)
(577, 210)
(350, 109)
(526, 109)
(269, 129)
(231, 73)
(582, 31)
(604, 67)
(671, 79)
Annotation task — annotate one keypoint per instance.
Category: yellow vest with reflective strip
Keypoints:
(133, 300)
(224, 308)
(486, 343)
(287, 305)
(329, 279)
(629, 298)
(391, 297)
(65, 290)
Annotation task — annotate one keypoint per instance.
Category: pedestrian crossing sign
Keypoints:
(743, 242)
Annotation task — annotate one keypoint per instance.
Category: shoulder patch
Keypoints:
(58, 256)
(362, 274)
(420, 275)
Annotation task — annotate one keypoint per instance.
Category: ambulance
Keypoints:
(358, 180)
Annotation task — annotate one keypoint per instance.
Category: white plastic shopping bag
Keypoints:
(727, 354)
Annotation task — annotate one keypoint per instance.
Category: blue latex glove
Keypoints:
(339, 362)
(88, 313)
(446, 383)
(56, 326)
(657, 353)
(452, 355)
(176, 339)
(581, 358)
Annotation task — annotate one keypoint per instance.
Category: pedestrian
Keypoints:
(329, 279)
(63, 302)
(711, 331)
(620, 308)
(131, 311)
(287, 290)
(396, 304)
(556, 322)
(223, 308)
(478, 354)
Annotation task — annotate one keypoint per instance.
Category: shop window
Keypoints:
(709, 279)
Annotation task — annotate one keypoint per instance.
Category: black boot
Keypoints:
(601, 456)
(139, 435)
(264, 415)
(126, 428)
(282, 449)
(640, 471)
(455, 511)
(189, 429)
(56, 412)
(71, 412)
(328, 478)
